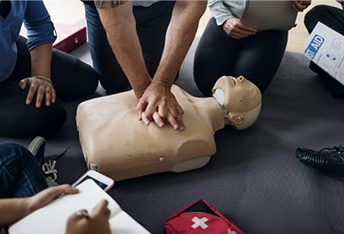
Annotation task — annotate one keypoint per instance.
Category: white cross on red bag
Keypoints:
(199, 218)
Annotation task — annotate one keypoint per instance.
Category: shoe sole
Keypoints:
(36, 144)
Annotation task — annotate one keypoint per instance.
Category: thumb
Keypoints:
(23, 83)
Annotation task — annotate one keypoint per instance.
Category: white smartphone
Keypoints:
(103, 181)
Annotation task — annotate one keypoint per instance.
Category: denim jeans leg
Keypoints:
(112, 77)
(151, 26)
(20, 174)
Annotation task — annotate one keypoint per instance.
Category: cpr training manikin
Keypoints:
(116, 144)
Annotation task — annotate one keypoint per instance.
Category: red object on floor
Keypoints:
(69, 36)
(199, 218)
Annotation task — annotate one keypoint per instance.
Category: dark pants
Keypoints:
(151, 26)
(334, 18)
(72, 79)
(20, 174)
(257, 57)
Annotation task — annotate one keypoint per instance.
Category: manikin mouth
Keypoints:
(233, 80)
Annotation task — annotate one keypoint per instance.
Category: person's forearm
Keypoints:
(41, 60)
(179, 36)
(119, 23)
(12, 210)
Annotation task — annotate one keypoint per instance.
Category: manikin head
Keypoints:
(240, 100)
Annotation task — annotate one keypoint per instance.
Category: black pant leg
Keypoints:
(331, 16)
(72, 78)
(151, 27)
(214, 57)
(260, 56)
(20, 120)
(256, 57)
(334, 18)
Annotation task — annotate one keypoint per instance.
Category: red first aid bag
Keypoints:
(199, 218)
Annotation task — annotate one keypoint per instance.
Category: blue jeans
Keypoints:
(151, 26)
(20, 174)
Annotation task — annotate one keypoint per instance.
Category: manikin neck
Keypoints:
(218, 96)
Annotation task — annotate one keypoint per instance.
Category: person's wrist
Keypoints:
(43, 78)
(163, 83)
(27, 206)
(141, 86)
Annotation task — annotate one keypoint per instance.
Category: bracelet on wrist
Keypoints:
(44, 78)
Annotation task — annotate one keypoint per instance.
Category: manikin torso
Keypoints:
(118, 145)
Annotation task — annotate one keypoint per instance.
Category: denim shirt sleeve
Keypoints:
(40, 29)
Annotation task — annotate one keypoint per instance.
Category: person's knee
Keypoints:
(13, 152)
(45, 121)
(314, 15)
(32, 121)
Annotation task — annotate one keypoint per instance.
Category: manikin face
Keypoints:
(240, 96)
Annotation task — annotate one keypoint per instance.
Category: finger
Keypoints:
(243, 32)
(101, 209)
(181, 123)
(63, 189)
(180, 110)
(162, 111)
(158, 120)
(173, 111)
(141, 106)
(145, 119)
(245, 28)
(23, 83)
(172, 121)
(53, 99)
(297, 6)
(80, 214)
(56, 191)
(48, 93)
(235, 35)
(31, 93)
(150, 109)
(293, 6)
(40, 94)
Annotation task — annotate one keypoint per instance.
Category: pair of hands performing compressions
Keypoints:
(156, 101)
